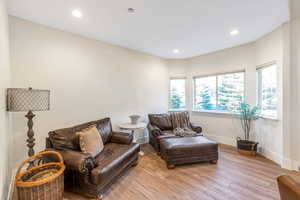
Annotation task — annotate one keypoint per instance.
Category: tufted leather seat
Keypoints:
(176, 151)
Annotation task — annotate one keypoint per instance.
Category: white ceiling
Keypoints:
(157, 27)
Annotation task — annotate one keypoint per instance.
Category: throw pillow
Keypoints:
(90, 141)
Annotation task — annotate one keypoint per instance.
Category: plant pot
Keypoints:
(247, 147)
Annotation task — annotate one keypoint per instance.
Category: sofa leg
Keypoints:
(214, 162)
(170, 166)
(134, 164)
(100, 197)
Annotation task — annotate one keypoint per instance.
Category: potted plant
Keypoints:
(247, 115)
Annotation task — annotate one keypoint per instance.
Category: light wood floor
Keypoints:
(235, 177)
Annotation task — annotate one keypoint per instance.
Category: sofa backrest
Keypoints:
(67, 137)
(180, 119)
(162, 121)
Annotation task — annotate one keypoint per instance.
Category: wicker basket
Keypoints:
(43, 181)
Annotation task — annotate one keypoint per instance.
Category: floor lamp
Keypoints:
(28, 100)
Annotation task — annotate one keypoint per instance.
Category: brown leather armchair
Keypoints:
(289, 189)
(160, 126)
(85, 174)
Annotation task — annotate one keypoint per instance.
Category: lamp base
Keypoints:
(30, 133)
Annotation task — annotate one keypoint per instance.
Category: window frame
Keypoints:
(259, 88)
(185, 90)
(217, 83)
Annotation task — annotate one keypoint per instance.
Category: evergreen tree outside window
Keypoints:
(222, 92)
(267, 90)
(230, 91)
(205, 93)
(177, 94)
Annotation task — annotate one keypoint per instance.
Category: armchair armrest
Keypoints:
(78, 161)
(121, 138)
(197, 129)
(154, 130)
(288, 187)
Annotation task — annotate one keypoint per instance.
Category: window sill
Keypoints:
(269, 118)
(177, 110)
(232, 114)
(214, 112)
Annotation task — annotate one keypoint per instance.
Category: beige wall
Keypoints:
(88, 80)
(294, 74)
(245, 57)
(270, 132)
(5, 133)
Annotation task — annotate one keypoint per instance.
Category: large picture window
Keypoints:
(177, 94)
(222, 92)
(267, 90)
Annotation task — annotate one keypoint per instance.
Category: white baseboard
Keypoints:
(222, 139)
(274, 156)
(295, 165)
(291, 164)
(287, 163)
(12, 185)
(277, 158)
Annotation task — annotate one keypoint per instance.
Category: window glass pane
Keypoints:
(205, 93)
(268, 90)
(230, 91)
(177, 94)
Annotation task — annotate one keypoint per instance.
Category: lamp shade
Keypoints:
(21, 99)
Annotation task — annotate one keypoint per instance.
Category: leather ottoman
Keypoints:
(184, 150)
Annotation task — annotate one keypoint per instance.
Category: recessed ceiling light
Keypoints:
(77, 13)
(176, 51)
(131, 10)
(234, 32)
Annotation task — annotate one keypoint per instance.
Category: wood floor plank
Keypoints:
(235, 177)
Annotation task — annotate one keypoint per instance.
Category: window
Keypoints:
(177, 94)
(219, 93)
(205, 93)
(267, 90)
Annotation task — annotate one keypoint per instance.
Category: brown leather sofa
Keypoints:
(289, 189)
(90, 176)
(160, 126)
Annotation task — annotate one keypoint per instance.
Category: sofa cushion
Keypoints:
(105, 129)
(64, 139)
(90, 141)
(188, 145)
(67, 138)
(112, 160)
(162, 121)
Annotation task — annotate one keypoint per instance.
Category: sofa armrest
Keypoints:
(288, 187)
(154, 130)
(121, 138)
(78, 161)
(197, 129)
